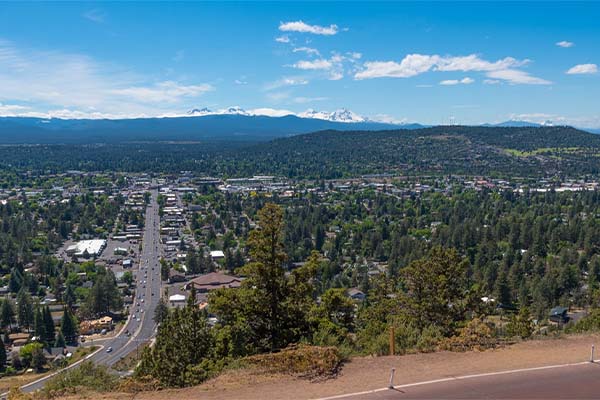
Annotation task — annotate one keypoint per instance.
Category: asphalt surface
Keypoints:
(580, 381)
(140, 324)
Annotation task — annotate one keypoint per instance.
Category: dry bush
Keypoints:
(16, 394)
(304, 361)
(476, 335)
(141, 384)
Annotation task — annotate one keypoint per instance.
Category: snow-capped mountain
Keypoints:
(341, 115)
(199, 111)
(234, 110)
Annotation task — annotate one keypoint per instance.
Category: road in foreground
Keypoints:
(576, 381)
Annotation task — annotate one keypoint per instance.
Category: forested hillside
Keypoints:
(514, 151)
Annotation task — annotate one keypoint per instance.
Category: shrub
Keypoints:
(304, 361)
(375, 339)
(520, 325)
(476, 335)
(87, 376)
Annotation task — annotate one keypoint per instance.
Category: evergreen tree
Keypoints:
(182, 354)
(104, 295)
(68, 327)
(25, 314)
(2, 358)
(60, 340)
(49, 328)
(435, 289)
(270, 310)
(161, 312)
(520, 325)
(7, 314)
(38, 324)
(69, 296)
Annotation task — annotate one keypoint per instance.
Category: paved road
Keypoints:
(140, 324)
(581, 381)
(147, 296)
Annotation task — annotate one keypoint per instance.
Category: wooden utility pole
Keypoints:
(392, 341)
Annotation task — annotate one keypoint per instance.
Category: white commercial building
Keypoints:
(92, 247)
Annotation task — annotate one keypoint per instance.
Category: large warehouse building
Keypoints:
(92, 247)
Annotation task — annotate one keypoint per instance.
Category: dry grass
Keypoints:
(303, 361)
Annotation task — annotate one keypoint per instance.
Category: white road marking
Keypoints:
(454, 378)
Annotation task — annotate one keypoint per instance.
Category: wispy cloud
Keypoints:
(307, 50)
(282, 39)
(320, 64)
(556, 119)
(163, 92)
(565, 44)
(95, 15)
(304, 100)
(301, 26)
(517, 77)
(416, 64)
(335, 66)
(452, 82)
(286, 81)
(53, 80)
(583, 69)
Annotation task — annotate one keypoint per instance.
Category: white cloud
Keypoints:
(282, 39)
(416, 64)
(95, 15)
(564, 43)
(313, 64)
(11, 109)
(583, 69)
(336, 75)
(411, 65)
(451, 82)
(278, 96)
(270, 112)
(300, 26)
(304, 100)
(517, 77)
(307, 50)
(286, 81)
(53, 80)
(389, 119)
(168, 92)
(474, 63)
(335, 66)
(491, 81)
(555, 119)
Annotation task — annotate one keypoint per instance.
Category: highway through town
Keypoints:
(140, 326)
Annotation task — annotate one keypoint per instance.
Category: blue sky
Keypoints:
(427, 62)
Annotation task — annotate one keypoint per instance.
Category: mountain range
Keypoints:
(200, 124)
(233, 123)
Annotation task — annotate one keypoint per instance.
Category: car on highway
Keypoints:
(109, 350)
